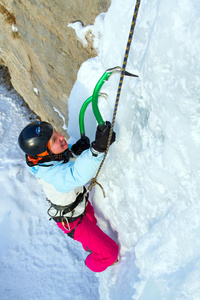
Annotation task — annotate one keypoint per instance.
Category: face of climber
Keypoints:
(57, 143)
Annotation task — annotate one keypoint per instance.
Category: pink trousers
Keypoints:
(104, 251)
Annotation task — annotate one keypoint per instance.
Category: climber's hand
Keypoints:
(81, 145)
(102, 135)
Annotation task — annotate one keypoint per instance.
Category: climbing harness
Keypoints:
(96, 94)
(58, 213)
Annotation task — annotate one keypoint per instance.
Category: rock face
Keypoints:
(42, 53)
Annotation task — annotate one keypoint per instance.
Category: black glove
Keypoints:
(81, 145)
(102, 135)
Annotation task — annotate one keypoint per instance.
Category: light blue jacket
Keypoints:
(66, 177)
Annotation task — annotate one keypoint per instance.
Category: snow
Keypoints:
(36, 91)
(14, 28)
(93, 31)
(62, 117)
(150, 177)
(81, 31)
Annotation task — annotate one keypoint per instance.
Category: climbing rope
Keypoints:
(94, 180)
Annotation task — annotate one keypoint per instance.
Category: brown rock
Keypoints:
(42, 53)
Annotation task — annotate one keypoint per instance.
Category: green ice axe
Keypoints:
(82, 112)
(95, 96)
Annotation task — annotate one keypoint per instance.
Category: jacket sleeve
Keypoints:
(66, 177)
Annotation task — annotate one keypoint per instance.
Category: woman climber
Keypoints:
(63, 171)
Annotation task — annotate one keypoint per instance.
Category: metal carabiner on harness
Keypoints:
(56, 211)
(65, 220)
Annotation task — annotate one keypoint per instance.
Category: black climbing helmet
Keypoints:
(34, 138)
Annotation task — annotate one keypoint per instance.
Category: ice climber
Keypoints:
(63, 171)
